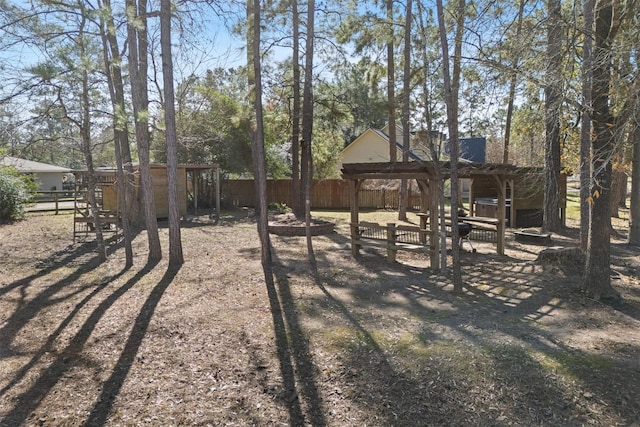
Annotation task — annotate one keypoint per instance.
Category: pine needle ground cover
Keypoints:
(353, 342)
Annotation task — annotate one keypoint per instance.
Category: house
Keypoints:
(48, 177)
(373, 146)
(471, 149)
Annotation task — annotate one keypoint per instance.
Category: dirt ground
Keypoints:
(355, 342)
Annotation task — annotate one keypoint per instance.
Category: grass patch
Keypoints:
(573, 205)
(567, 363)
(410, 352)
(571, 365)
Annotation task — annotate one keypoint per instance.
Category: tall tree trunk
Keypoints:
(434, 149)
(406, 131)
(585, 129)
(512, 88)
(391, 82)
(307, 123)
(451, 89)
(597, 280)
(85, 135)
(297, 195)
(439, 193)
(618, 191)
(553, 103)
(176, 257)
(131, 209)
(634, 205)
(122, 151)
(138, 48)
(259, 163)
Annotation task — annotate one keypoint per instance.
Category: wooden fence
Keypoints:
(54, 200)
(325, 194)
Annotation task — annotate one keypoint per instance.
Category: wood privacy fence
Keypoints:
(325, 194)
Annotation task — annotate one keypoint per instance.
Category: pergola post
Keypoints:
(354, 189)
(216, 172)
(501, 186)
(423, 186)
(434, 224)
(512, 216)
(194, 183)
(472, 199)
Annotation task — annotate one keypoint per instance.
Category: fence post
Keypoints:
(391, 242)
(55, 199)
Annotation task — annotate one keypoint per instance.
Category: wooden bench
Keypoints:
(391, 236)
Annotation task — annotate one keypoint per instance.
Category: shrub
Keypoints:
(280, 208)
(15, 194)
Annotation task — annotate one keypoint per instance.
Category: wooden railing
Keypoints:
(391, 236)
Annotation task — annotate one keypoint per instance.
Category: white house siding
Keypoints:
(47, 176)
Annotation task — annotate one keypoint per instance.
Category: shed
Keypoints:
(160, 190)
(109, 190)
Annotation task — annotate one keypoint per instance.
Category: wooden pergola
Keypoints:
(426, 177)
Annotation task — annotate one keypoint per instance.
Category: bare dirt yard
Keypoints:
(355, 342)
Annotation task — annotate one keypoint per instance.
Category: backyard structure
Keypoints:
(195, 182)
(84, 222)
(500, 182)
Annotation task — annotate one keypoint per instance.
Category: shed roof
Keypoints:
(29, 166)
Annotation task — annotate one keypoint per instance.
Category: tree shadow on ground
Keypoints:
(296, 363)
(83, 256)
(503, 326)
(70, 357)
(111, 388)
(81, 259)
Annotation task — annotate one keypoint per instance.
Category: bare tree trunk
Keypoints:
(176, 258)
(406, 131)
(585, 130)
(85, 134)
(597, 280)
(553, 102)
(297, 195)
(434, 150)
(259, 163)
(512, 89)
(137, 40)
(391, 81)
(451, 88)
(634, 205)
(122, 151)
(618, 192)
(307, 123)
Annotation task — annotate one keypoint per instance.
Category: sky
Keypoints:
(210, 45)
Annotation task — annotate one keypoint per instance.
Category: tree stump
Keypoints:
(571, 256)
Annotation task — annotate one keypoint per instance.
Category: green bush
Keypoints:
(15, 194)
